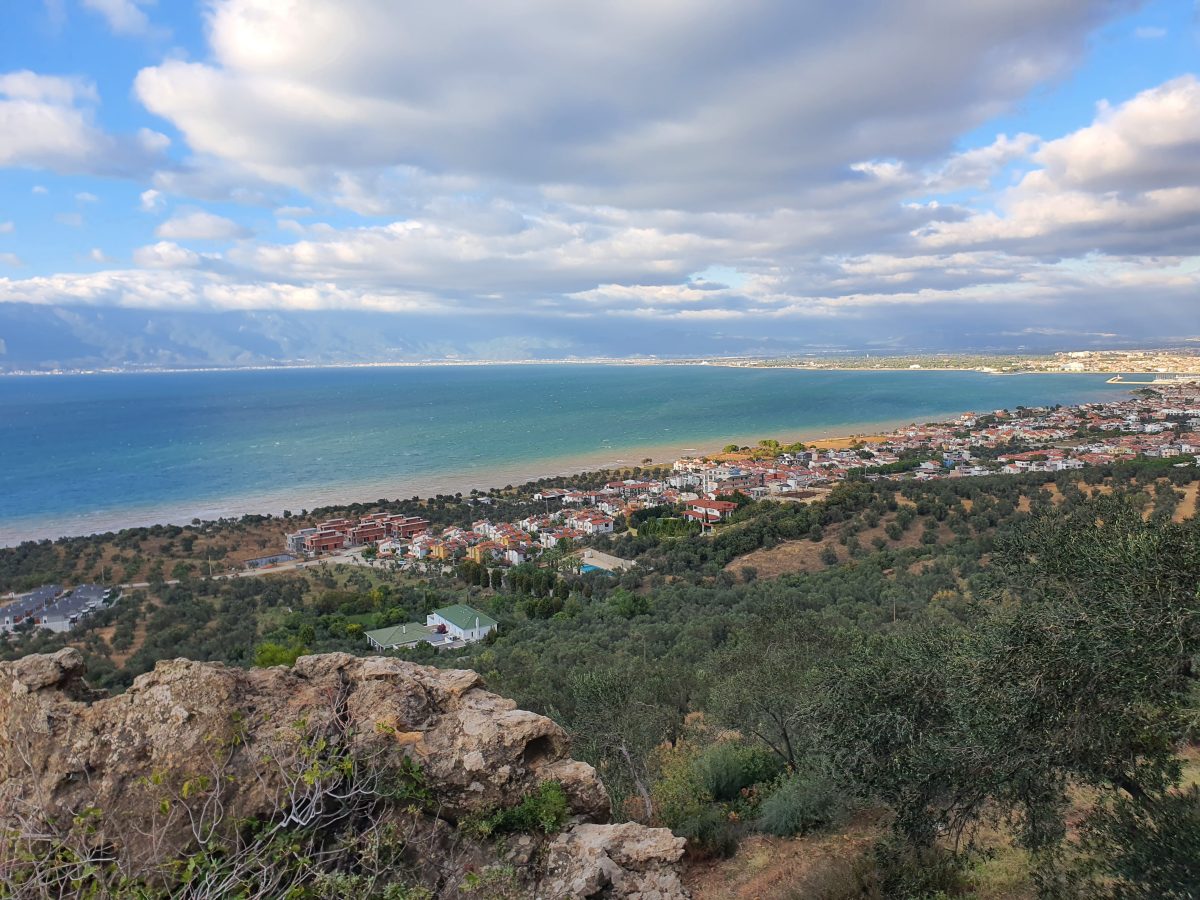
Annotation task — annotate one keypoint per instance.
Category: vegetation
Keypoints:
(1005, 655)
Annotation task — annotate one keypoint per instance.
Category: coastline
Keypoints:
(734, 362)
(344, 494)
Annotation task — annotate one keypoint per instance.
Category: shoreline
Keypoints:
(207, 510)
(734, 362)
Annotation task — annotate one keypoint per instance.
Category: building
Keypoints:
(709, 511)
(53, 608)
(446, 628)
(463, 622)
(295, 542)
(324, 541)
(403, 637)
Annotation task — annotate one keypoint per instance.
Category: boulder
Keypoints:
(198, 726)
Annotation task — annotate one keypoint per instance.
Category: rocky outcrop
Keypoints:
(250, 744)
(626, 860)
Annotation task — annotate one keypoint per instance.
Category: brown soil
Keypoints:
(803, 555)
(768, 868)
(1188, 505)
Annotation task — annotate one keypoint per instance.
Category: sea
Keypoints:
(81, 454)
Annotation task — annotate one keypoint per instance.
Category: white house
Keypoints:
(462, 622)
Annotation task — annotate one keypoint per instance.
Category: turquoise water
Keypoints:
(87, 453)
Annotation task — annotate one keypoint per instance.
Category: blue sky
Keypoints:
(251, 176)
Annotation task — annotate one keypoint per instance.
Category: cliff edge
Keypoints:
(341, 775)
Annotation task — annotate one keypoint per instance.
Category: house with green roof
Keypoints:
(400, 637)
(451, 626)
(463, 622)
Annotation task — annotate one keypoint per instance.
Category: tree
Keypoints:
(616, 725)
(1081, 682)
(766, 690)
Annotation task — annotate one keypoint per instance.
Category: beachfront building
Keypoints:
(337, 534)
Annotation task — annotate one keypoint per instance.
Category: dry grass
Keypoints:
(769, 868)
(804, 555)
(1188, 505)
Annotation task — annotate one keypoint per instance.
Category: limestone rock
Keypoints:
(188, 723)
(627, 860)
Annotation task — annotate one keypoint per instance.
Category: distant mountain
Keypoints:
(38, 337)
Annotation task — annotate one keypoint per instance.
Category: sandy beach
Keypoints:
(340, 494)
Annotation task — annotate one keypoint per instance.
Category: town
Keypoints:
(701, 492)
(694, 495)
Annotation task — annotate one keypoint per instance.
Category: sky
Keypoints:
(244, 181)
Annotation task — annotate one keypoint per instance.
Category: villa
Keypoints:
(444, 629)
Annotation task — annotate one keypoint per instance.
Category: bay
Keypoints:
(89, 453)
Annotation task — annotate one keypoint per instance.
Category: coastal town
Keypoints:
(1161, 422)
(696, 494)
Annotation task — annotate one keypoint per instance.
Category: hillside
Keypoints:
(978, 686)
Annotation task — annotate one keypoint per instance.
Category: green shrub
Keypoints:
(728, 767)
(805, 801)
(903, 870)
(546, 809)
(709, 833)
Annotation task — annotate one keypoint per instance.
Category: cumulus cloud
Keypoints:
(165, 255)
(152, 200)
(172, 289)
(790, 171)
(1127, 183)
(48, 122)
(199, 225)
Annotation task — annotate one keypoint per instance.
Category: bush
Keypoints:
(709, 833)
(803, 802)
(546, 810)
(728, 767)
(903, 870)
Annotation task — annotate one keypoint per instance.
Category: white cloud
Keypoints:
(73, 219)
(172, 289)
(86, 197)
(39, 189)
(152, 200)
(1127, 183)
(123, 16)
(6, 227)
(199, 225)
(1149, 32)
(649, 106)
(165, 255)
(11, 259)
(32, 87)
(47, 122)
(976, 168)
(813, 152)
(97, 255)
